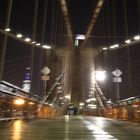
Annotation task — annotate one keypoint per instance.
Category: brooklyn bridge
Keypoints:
(69, 70)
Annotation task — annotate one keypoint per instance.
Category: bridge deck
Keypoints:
(69, 128)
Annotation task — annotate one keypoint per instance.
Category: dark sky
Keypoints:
(117, 20)
(110, 22)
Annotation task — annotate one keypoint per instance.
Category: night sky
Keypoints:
(118, 20)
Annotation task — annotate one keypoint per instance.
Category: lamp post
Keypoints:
(117, 79)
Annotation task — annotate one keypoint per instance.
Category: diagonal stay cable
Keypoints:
(51, 89)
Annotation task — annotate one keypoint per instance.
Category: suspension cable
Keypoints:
(95, 15)
(34, 36)
(67, 20)
(4, 45)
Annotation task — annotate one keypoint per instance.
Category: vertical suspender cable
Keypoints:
(67, 21)
(3, 48)
(114, 20)
(33, 36)
(128, 49)
(53, 21)
(44, 20)
(56, 23)
(114, 33)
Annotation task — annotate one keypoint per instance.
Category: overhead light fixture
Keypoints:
(128, 41)
(33, 42)
(19, 35)
(80, 37)
(137, 37)
(46, 47)
(27, 39)
(7, 29)
(111, 47)
(38, 44)
(105, 48)
(114, 46)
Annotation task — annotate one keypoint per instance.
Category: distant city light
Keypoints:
(81, 104)
(27, 39)
(50, 104)
(88, 101)
(91, 105)
(7, 29)
(61, 98)
(109, 101)
(67, 97)
(137, 37)
(31, 103)
(19, 35)
(46, 47)
(128, 41)
(92, 99)
(28, 68)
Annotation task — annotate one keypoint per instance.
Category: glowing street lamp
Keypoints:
(137, 37)
(46, 47)
(19, 102)
(27, 39)
(38, 44)
(33, 42)
(7, 29)
(104, 48)
(114, 46)
(19, 35)
(128, 41)
(100, 75)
